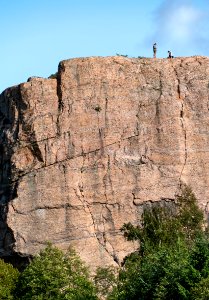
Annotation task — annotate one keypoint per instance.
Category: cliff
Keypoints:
(82, 155)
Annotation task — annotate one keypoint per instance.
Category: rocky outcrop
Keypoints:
(80, 155)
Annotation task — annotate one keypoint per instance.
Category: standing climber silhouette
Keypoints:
(154, 50)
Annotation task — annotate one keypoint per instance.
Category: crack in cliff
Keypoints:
(58, 240)
(102, 239)
(101, 130)
(182, 122)
(107, 179)
(178, 83)
(157, 201)
(87, 205)
(74, 157)
(185, 142)
(106, 108)
(28, 143)
(161, 93)
(158, 111)
(62, 206)
(60, 100)
(47, 207)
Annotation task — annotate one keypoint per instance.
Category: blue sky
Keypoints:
(36, 35)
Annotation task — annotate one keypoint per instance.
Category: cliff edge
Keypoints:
(82, 154)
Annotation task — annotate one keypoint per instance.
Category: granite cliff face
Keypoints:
(81, 155)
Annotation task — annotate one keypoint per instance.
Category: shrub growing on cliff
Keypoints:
(8, 280)
(173, 258)
(55, 275)
(124, 55)
(97, 108)
(53, 76)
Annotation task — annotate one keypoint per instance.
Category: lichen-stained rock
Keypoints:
(80, 155)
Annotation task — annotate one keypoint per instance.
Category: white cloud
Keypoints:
(181, 21)
(182, 26)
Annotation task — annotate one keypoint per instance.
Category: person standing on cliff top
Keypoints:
(154, 50)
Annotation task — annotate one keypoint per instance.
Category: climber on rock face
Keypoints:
(154, 50)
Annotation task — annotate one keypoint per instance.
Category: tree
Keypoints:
(55, 275)
(105, 280)
(8, 280)
(173, 258)
(165, 225)
(164, 274)
(201, 290)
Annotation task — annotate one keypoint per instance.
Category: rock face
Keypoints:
(81, 155)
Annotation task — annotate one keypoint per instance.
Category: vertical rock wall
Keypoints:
(81, 155)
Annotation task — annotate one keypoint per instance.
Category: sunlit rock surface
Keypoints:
(81, 155)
